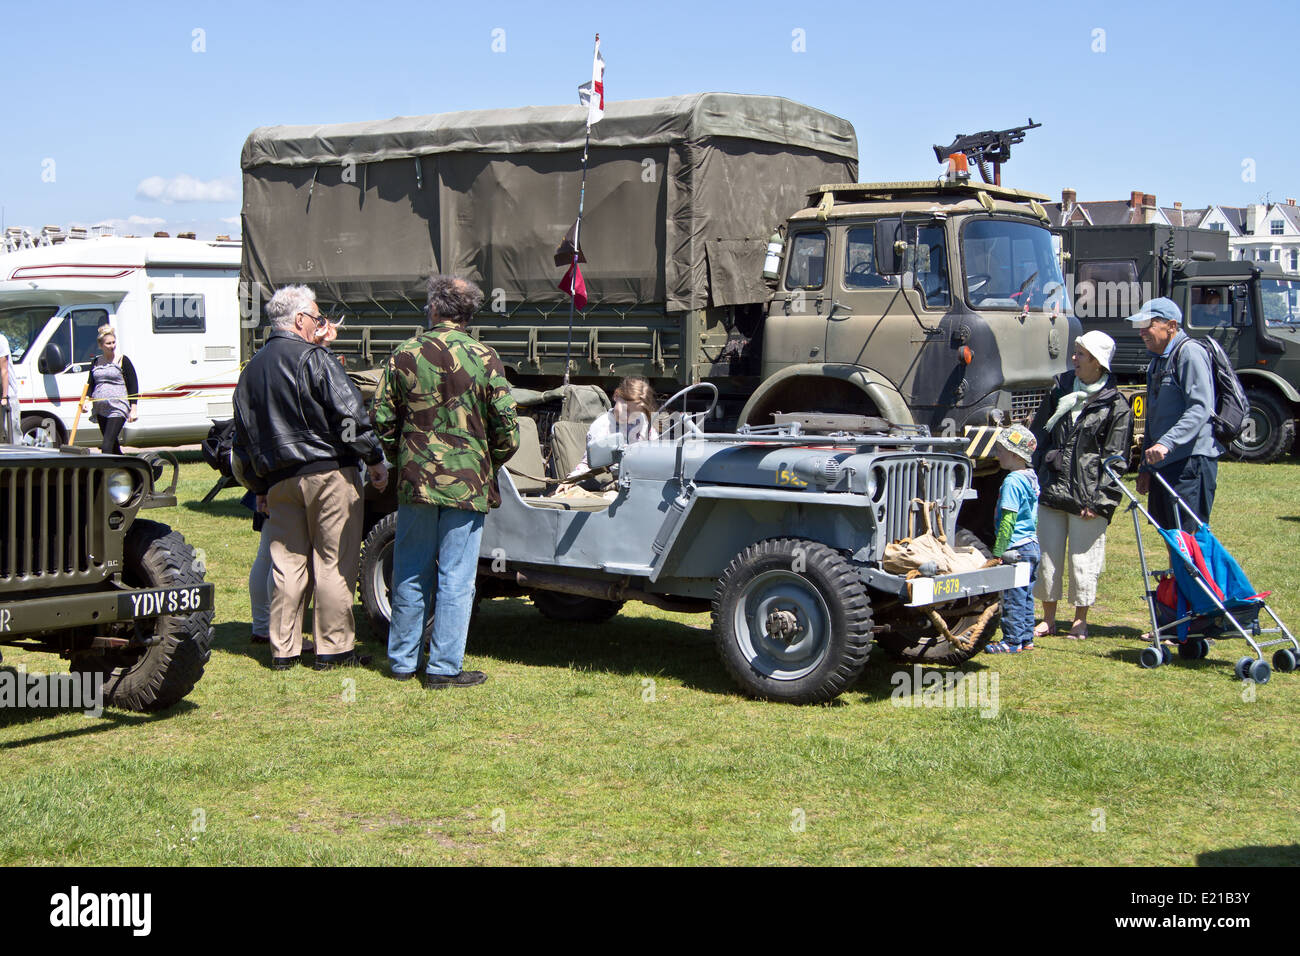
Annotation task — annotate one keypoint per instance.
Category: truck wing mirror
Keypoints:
(52, 360)
(890, 247)
(1240, 319)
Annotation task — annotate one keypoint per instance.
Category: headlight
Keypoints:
(121, 486)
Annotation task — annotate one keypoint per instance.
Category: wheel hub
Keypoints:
(783, 625)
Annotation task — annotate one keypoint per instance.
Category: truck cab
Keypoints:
(930, 303)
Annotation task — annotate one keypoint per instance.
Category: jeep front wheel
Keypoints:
(792, 621)
(164, 673)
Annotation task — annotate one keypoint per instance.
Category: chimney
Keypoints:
(184, 235)
(1149, 208)
(161, 235)
(1178, 205)
(1068, 197)
(1290, 202)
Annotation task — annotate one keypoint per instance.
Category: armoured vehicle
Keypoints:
(1251, 308)
(82, 575)
(780, 534)
(688, 276)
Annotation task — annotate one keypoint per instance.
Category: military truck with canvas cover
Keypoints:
(1250, 308)
(683, 196)
(83, 576)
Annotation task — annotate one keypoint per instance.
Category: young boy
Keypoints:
(1017, 530)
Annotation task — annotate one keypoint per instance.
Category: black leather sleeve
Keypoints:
(343, 406)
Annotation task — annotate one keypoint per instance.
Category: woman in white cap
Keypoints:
(1083, 421)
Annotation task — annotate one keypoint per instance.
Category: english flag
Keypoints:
(574, 286)
(592, 95)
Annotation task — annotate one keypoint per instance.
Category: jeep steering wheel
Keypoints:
(689, 418)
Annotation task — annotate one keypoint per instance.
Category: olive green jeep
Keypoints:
(81, 575)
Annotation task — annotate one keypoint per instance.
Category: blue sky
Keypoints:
(112, 102)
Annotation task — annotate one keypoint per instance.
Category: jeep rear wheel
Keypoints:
(42, 430)
(1269, 428)
(163, 674)
(913, 638)
(792, 621)
(377, 582)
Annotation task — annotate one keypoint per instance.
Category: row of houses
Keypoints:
(1264, 232)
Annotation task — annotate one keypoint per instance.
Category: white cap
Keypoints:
(1097, 344)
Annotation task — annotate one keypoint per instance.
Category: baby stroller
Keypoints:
(1203, 595)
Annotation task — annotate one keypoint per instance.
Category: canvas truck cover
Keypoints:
(681, 196)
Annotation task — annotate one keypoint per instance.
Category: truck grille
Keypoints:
(925, 478)
(1025, 402)
(48, 526)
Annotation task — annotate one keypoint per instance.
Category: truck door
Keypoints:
(75, 341)
(795, 331)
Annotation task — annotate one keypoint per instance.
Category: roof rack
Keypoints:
(850, 192)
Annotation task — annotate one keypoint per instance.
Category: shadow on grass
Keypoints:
(235, 637)
(1132, 655)
(223, 508)
(1251, 856)
(1288, 517)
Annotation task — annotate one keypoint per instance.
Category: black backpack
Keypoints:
(1228, 420)
(217, 447)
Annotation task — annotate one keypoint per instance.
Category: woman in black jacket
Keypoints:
(114, 390)
(1082, 421)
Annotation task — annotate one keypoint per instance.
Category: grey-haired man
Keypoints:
(301, 427)
(1178, 443)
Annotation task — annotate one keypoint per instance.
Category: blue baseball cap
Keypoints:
(1161, 308)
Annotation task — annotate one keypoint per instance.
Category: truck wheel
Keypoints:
(156, 557)
(792, 621)
(42, 430)
(572, 607)
(1270, 428)
(913, 639)
(377, 581)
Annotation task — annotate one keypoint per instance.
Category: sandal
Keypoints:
(1002, 647)
(1045, 629)
(1079, 635)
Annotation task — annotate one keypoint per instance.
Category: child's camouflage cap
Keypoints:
(1020, 440)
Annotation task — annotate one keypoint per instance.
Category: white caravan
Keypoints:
(175, 307)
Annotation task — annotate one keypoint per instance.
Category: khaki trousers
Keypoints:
(316, 519)
(1077, 543)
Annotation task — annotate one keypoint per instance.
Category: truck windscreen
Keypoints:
(1281, 301)
(1010, 264)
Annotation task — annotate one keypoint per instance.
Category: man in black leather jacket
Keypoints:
(301, 431)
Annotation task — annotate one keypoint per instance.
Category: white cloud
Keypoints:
(185, 188)
(232, 220)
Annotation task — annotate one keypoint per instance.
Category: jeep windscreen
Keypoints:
(1010, 264)
(1281, 301)
(21, 324)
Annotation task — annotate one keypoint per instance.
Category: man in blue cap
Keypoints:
(1179, 442)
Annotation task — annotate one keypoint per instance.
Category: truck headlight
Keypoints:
(121, 486)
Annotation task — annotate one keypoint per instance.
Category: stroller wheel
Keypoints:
(1284, 661)
(1193, 649)
(1243, 667)
(1166, 655)
(1260, 672)
(1150, 657)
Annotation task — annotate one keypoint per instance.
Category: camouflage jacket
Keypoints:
(446, 419)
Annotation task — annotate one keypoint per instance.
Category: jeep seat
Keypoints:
(568, 447)
(526, 465)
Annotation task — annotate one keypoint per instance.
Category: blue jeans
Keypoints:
(433, 540)
(1018, 603)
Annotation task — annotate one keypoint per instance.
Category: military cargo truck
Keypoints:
(1251, 308)
(932, 303)
(81, 575)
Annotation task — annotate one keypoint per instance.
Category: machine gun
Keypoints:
(990, 146)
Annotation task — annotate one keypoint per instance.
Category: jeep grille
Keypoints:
(907, 479)
(51, 530)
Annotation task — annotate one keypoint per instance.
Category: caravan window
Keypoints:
(178, 313)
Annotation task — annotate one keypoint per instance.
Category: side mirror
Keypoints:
(1240, 319)
(52, 360)
(890, 247)
(605, 452)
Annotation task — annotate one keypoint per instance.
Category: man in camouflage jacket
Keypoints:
(447, 421)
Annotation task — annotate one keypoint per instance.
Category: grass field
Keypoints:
(626, 743)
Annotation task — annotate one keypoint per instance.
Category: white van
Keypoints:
(175, 306)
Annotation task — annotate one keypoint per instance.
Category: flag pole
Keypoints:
(577, 232)
(573, 268)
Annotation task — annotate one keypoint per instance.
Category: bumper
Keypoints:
(20, 615)
(922, 592)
